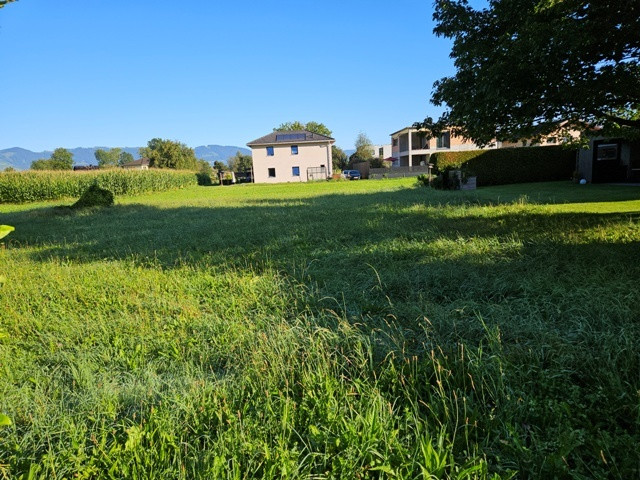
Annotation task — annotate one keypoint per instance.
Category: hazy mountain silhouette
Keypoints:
(21, 158)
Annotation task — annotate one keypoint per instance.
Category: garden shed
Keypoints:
(610, 160)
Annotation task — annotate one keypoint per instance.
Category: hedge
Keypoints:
(29, 186)
(511, 165)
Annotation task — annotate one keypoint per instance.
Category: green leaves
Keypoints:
(314, 127)
(526, 68)
(20, 187)
(4, 420)
(169, 154)
(61, 159)
(5, 230)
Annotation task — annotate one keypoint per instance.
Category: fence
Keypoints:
(316, 173)
(397, 172)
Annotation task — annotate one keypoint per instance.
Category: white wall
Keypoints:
(309, 155)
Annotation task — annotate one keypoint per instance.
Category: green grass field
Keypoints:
(369, 329)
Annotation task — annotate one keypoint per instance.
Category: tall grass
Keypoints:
(370, 330)
(20, 187)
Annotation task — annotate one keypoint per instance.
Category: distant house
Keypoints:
(409, 148)
(297, 156)
(140, 164)
(609, 160)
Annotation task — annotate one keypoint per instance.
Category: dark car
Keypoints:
(351, 174)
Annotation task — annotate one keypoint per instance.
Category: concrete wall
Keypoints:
(585, 163)
(309, 156)
(386, 151)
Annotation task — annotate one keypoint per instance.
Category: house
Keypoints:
(609, 160)
(297, 156)
(409, 148)
(140, 164)
(382, 151)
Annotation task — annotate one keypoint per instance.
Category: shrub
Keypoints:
(424, 179)
(510, 165)
(205, 171)
(20, 187)
(94, 196)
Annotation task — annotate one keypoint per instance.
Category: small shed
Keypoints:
(610, 160)
(140, 164)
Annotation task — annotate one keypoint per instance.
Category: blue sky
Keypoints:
(118, 73)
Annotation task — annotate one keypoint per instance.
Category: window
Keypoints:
(607, 151)
(272, 173)
(295, 171)
(294, 149)
(269, 151)
(444, 140)
(395, 142)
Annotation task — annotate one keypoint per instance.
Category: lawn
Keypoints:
(371, 329)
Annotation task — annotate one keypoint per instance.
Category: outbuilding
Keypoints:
(610, 160)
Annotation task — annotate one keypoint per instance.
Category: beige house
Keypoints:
(140, 164)
(297, 156)
(409, 148)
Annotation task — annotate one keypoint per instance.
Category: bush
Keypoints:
(20, 187)
(205, 171)
(424, 179)
(510, 165)
(94, 196)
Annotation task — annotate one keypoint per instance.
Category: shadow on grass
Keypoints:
(344, 243)
(556, 292)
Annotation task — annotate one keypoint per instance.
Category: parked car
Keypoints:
(351, 174)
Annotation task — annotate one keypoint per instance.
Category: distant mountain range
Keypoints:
(20, 158)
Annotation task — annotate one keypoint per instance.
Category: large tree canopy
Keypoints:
(108, 158)
(240, 163)
(527, 68)
(169, 154)
(61, 159)
(314, 127)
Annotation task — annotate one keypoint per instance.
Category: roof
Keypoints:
(290, 138)
(135, 163)
(403, 129)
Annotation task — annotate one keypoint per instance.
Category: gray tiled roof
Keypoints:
(135, 163)
(272, 138)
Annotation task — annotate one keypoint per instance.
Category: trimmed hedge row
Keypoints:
(21, 187)
(511, 165)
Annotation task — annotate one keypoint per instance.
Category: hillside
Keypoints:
(20, 158)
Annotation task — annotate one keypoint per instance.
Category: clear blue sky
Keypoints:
(118, 73)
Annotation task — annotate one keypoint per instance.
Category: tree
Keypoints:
(4, 2)
(107, 158)
(529, 68)
(339, 158)
(241, 163)
(313, 127)
(204, 172)
(364, 149)
(219, 166)
(169, 154)
(61, 159)
(125, 157)
(40, 164)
